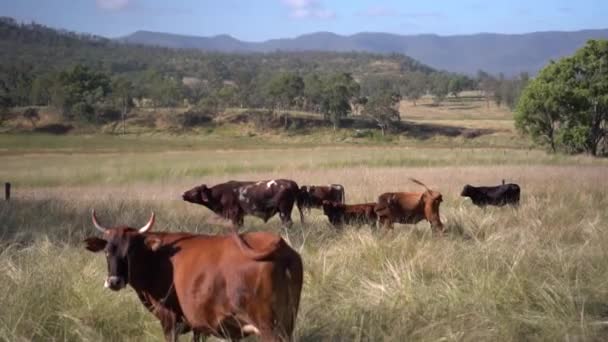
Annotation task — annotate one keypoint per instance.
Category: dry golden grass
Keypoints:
(533, 273)
(464, 108)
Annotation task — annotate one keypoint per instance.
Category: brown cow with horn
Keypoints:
(410, 207)
(228, 286)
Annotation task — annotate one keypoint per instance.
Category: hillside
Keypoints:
(494, 53)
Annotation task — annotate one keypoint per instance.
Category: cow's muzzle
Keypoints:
(114, 283)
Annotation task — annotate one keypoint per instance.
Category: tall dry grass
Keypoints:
(535, 273)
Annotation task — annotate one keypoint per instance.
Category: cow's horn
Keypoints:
(148, 225)
(97, 225)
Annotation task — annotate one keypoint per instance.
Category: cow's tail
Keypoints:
(294, 277)
(420, 183)
(251, 253)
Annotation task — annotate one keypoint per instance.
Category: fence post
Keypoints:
(7, 191)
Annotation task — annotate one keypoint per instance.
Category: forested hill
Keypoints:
(43, 48)
(494, 53)
(34, 56)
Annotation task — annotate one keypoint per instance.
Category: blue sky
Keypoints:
(256, 20)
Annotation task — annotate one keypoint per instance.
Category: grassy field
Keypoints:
(536, 273)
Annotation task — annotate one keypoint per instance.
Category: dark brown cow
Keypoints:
(227, 286)
(233, 200)
(312, 196)
(355, 214)
(410, 207)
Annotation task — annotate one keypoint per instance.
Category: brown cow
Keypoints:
(312, 196)
(233, 200)
(410, 207)
(227, 286)
(356, 214)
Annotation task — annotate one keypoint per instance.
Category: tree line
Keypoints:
(95, 79)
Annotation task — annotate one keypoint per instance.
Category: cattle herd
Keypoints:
(235, 285)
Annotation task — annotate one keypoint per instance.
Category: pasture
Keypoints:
(536, 273)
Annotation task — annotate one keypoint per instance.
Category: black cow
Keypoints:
(312, 196)
(492, 195)
(233, 200)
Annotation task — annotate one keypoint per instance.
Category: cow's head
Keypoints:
(467, 191)
(432, 199)
(332, 210)
(330, 207)
(198, 195)
(119, 245)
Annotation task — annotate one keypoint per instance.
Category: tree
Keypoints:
(32, 115)
(440, 87)
(79, 90)
(5, 102)
(339, 90)
(40, 93)
(284, 88)
(122, 91)
(383, 109)
(487, 84)
(456, 84)
(567, 103)
(539, 111)
(163, 90)
(313, 92)
(414, 86)
(227, 95)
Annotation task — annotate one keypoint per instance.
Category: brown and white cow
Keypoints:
(312, 196)
(227, 286)
(354, 214)
(410, 207)
(234, 199)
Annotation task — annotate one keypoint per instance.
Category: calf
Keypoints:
(492, 195)
(355, 214)
(227, 286)
(410, 207)
(233, 200)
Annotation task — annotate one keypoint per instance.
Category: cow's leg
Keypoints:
(272, 336)
(301, 213)
(170, 332)
(197, 337)
(285, 207)
(236, 217)
(286, 220)
(385, 222)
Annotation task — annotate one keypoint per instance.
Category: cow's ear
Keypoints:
(95, 244)
(153, 243)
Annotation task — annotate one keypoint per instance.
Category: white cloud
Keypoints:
(301, 9)
(112, 5)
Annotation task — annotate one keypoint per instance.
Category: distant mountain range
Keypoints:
(494, 53)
